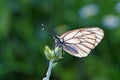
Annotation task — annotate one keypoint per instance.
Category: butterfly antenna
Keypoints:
(54, 33)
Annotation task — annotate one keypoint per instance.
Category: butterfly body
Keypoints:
(80, 42)
(58, 41)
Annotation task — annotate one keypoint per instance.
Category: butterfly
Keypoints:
(79, 42)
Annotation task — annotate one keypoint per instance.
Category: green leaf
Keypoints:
(54, 64)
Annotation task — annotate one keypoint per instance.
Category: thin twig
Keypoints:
(49, 69)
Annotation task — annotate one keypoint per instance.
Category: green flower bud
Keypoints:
(48, 53)
(58, 53)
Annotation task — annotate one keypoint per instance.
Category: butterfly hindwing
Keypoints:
(79, 42)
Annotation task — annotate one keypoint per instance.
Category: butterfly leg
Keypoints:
(62, 51)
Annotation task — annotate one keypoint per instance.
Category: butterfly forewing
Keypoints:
(79, 42)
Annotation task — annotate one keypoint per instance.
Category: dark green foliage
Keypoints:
(22, 40)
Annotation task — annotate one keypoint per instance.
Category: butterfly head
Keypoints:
(58, 41)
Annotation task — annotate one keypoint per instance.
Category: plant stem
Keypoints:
(49, 69)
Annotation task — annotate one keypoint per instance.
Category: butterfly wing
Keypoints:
(80, 42)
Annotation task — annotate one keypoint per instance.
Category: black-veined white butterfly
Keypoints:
(80, 42)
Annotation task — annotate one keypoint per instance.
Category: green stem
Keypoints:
(49, 69)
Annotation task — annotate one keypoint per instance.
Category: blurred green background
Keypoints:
(22, 38)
